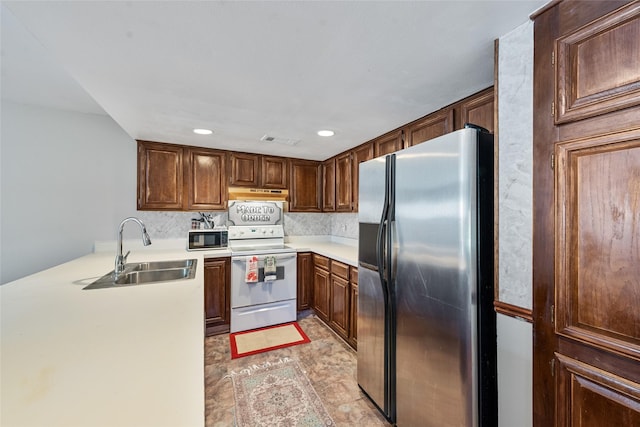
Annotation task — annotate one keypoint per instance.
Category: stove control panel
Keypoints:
(255, 232)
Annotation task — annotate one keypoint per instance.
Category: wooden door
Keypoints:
(388, 143)
(344, 201)
(360, 154)
(586, 247)
(306, 186)
(160, 176)
(217, 280)
(477, 109)
(274, 172)
(305, 281)
(245, 169)
(206, 180)
(329, 185)
(429, 127)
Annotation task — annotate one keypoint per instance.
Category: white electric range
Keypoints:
(257, 233)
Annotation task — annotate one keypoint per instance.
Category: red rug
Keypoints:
(261, 340)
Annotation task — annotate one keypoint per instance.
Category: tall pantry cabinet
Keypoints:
(586, 198)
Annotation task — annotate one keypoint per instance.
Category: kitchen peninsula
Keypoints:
(130, 356)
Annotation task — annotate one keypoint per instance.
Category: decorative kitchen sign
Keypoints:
(255, 213)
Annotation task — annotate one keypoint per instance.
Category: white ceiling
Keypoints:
(249, 68)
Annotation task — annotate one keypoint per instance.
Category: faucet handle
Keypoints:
(124, 258)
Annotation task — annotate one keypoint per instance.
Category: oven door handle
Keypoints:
(262, 256)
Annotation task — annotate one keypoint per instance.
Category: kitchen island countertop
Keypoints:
(129, 356)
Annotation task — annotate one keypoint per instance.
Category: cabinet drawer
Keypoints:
(340, 269)
(321, 261)
(354, 275)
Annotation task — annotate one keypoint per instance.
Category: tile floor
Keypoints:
(328, 361)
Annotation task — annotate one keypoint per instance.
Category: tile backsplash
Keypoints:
(170, 225)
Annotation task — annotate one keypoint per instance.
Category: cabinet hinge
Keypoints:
(553, 108)
(553, 161)
(553, 58)
(553, 314)
(553, 367)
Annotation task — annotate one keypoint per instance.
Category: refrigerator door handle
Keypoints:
(381, 240)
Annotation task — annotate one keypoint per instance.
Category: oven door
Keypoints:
(265, 303)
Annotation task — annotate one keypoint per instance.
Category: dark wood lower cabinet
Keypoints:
(353, 312)
(305, 281)
(335, 298)
(321, 279)
(339, 309)
(217, 292)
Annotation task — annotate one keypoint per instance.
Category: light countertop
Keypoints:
(129, 356)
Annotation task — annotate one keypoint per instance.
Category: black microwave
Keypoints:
(200, 240)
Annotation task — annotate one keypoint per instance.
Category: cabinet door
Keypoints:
(321, 278)
(306, 186)
(274, 172)
(160, 176)
(305, 281)
(343, 183)
(244, 169)
(429, 127)
(586, 251)
(217, 279)
(207, 180)
(477, 109)
(360, 154)
(339, 305)
(329, 185)
(353, 312)
(388, 143)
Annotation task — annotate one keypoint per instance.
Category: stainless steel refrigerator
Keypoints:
(426, 326)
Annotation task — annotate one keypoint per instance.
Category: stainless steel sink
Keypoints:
(139, 273)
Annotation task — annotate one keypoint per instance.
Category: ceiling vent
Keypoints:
(276, 140)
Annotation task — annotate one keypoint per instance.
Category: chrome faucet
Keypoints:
(121, 260)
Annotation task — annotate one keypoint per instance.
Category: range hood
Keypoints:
(259, 194)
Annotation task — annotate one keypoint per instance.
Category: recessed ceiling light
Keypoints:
(203, 131)
(326, 133)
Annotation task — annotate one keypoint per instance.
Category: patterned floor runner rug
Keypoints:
(277, 394)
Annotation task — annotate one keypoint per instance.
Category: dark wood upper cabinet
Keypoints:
(344, 201)
(592, 78)
(274, 172)
(359, 155)
(305, 188)
(388, 143)
(329, 185)
(255, 170)
(245, 169)
(429, 127)
(180, 178)
(477, 109)
(160, 176)
(206, 180)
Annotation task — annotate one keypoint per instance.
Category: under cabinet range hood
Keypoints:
(259, 194)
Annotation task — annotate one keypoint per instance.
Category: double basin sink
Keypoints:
(139, 273)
